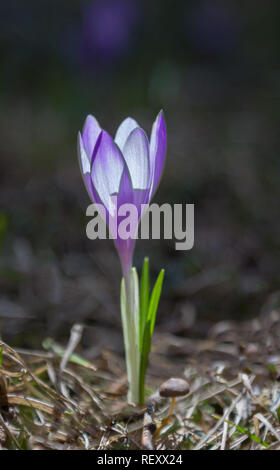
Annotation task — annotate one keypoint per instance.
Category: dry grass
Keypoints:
(54, 399)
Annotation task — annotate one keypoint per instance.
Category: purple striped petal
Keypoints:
(136, 155)
(90, 134)
(126, 127)
(107, 169)
(85, 167)
(157, 151)
(86, 144)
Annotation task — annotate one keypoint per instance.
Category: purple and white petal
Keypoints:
(136, 155)
(90, 134)
(107, 169)
(83, 156)
(157, 151)
(123, 131)
(85, 168)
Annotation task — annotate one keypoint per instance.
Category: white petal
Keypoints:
(125, 128)
(136, 155)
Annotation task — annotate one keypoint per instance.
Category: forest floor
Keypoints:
(58, 399)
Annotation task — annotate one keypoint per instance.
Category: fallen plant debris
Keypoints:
(59, 400)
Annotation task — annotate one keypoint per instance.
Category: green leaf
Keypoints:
(148, 329)
(151, 317)
(144, 298)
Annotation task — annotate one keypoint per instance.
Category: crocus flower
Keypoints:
(128, 167)
(117, 172)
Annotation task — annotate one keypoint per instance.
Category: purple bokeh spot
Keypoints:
(108, 28)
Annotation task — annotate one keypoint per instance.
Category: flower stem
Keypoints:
(130, 322)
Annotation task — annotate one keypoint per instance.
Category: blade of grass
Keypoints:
(50, 345)
(3, 227)
(251, 436)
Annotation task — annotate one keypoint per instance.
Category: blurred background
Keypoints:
(214, 67)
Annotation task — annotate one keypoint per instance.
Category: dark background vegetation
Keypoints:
(214, 67)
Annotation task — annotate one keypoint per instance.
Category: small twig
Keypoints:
(8, 432)
(224, 438)
(261, 418)
(75, 337)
